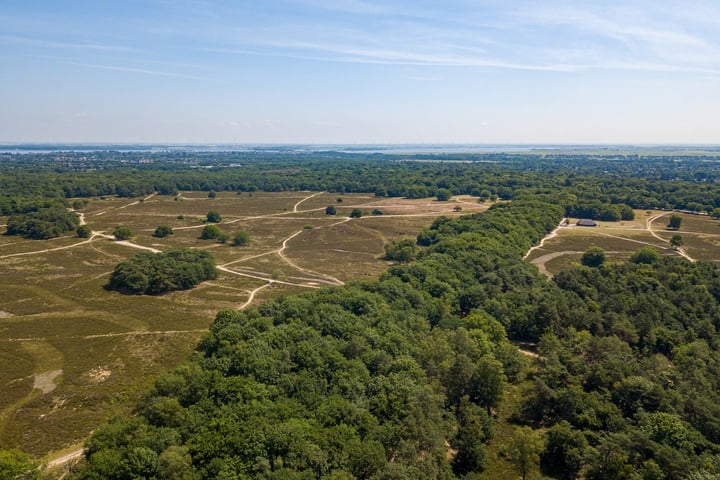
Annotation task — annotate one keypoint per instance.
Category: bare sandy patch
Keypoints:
(45, 381)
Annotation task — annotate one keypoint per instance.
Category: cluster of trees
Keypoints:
(42, 223)
(369, 380)
(156, 273)
(384, 379)
(630, 383)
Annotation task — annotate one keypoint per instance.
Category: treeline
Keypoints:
(371, 380)
(602, 185)
(157, 273)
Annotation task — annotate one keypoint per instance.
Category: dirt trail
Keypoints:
(550, 235)
(679, 250)
(295, 208)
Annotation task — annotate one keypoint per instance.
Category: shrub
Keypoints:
(163, 231)
(122, 233)
(213, 216)
(210, 232)
(241, 238)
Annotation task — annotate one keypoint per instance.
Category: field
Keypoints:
(700, 234)
(74, 353)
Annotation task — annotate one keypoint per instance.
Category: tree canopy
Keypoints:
(156, 273)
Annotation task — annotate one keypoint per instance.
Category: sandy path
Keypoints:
(550, 235)
(295, 208)
(679, 250)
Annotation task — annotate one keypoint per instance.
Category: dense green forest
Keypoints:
(404, 377)
(590, 186)
(156, 273)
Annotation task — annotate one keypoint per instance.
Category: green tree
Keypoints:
(17, 465)
(443, 195)
(402, 251)
(645, 255)
(356, 213)
(241, 238)
(83, 231)
(210, 232)
(593, 257)
(212, 194)
(676, 241)
(163, 231)
(122, 233)
(330, 210)
(213, 216)
(489, 383)
(675, 222)
(524, 450)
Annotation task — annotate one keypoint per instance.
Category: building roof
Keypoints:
(586, 222)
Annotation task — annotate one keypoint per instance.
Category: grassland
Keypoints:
(75, 353)
(700, 234)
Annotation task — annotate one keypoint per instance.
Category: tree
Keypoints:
(645, 255)
(84, 231)
(210, 232)
(356, 213)
(377, 211)
(402, 251)
(593, 257)
(17, 465)
(489, 383)
(212, 194)
(213, 216)
(443, 195)
(524, 450)
(676, 241)
(330, 210)
(715, 213)
(122, 233)
(163, 231)
(675, 222)
(241, 238)
(457, 208)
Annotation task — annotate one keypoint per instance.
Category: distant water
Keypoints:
(368, 149)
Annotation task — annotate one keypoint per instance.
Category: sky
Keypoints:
(360, 71)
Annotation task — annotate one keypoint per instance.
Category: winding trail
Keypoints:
(679, 250)
(295, 208)
(550, 235)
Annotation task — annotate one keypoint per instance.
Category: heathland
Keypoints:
(401, 360)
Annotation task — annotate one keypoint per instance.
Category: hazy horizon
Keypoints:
(341, 72)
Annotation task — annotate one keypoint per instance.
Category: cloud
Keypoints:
(140, 71)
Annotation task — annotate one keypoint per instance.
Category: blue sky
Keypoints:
(360, 71)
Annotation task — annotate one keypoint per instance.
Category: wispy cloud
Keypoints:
(41, 43)
(143, 71)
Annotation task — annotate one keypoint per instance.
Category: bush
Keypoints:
(83, 231)
(377, 211)
(122, 233)
(210, 232)
(330, 210)
(593, 257)
(163, 231)
(356, 213)
(241, 238)
(213, 216)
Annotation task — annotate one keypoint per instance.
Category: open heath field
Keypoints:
(74, 353)
(700, 235)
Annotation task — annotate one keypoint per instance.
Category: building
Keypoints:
(586, 222)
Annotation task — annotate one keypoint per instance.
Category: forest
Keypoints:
(405, 377)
